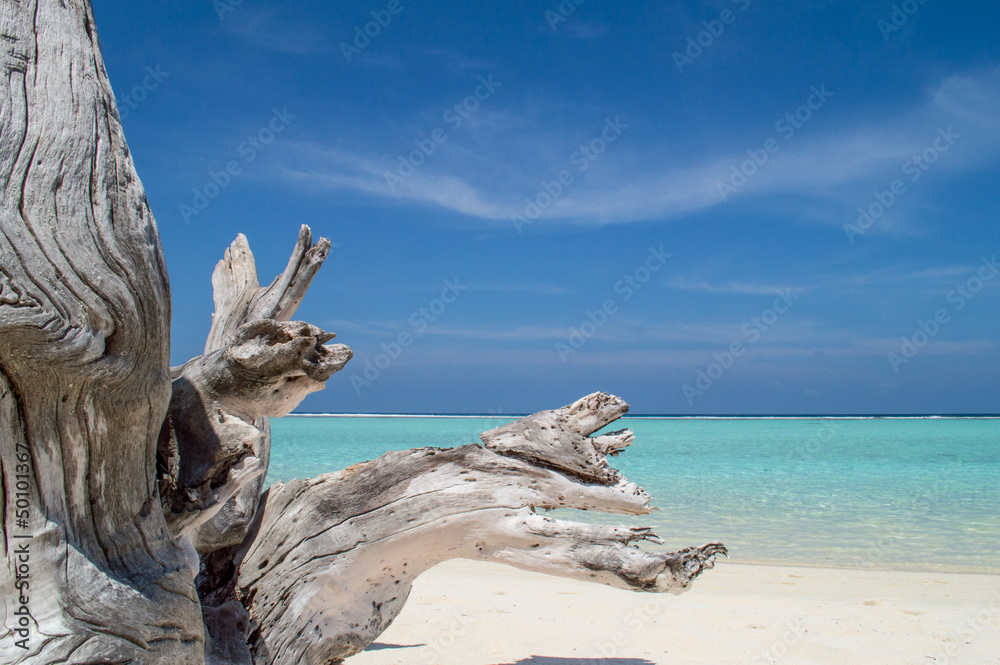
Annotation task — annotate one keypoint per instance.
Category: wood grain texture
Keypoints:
(331, 560)
(84, 347)
(210, 449)
(136, 476)
(257, 364)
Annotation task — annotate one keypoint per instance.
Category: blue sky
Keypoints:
(659, 200)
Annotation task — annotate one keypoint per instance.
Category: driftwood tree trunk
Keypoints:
(332, 560)
(84, 349)
(136, 524)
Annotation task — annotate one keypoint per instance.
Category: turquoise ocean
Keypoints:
(918, 494)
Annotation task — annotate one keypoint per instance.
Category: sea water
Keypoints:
(877, 493)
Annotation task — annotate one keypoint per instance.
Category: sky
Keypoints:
(727, 207)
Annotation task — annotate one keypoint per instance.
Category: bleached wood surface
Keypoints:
(84, 353)
(139, 476)
(341, 551)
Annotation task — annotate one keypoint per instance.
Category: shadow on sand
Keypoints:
(548, 660)
(379, 646)
(535, 660)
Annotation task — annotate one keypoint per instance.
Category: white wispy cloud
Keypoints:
(486, 172)
(582, 30)
(274, 30)
(527, 333)
(683, 362)
(926, 281)
(459, 62)
(737, 288)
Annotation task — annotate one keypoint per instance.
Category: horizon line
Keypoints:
(652, 416)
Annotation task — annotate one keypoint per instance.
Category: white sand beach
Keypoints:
(467, 613)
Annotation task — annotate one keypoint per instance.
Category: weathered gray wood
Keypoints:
(240, 298)
(561, 439)
(215, 443)
(331, 560)
(84, 348)
(277, 385)
(123, 477)
(208, 442)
